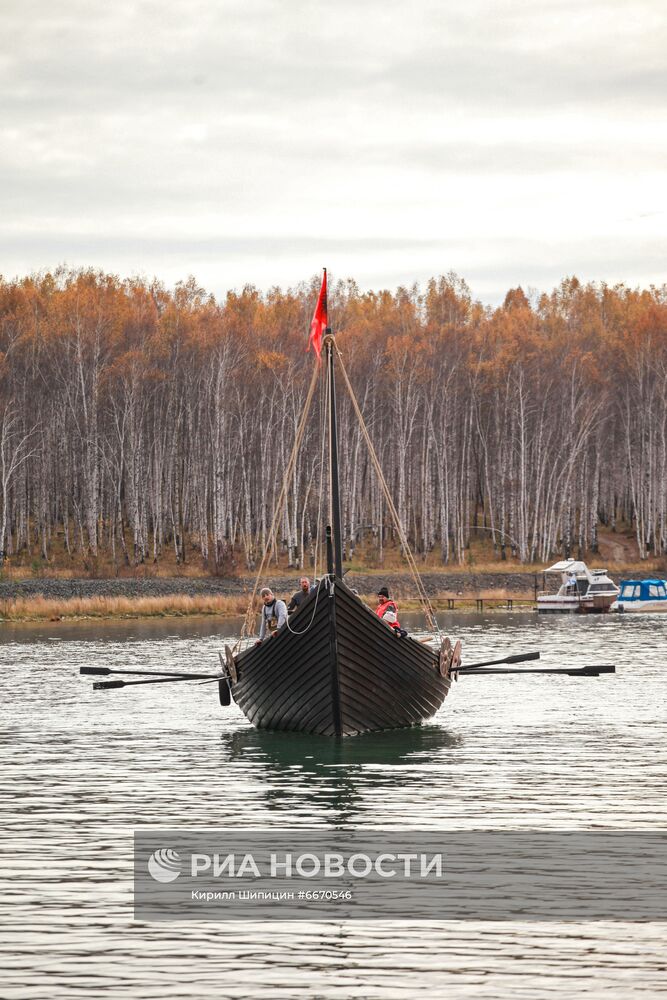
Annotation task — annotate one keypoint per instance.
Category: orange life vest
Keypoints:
(388, 606)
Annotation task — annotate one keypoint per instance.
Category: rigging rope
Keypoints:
(249, 620)
(421, 590)
(312, 617)
(248, 627)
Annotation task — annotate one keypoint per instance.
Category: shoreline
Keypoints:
(57, 598)
(34, 611)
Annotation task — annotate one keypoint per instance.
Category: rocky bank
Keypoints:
(400, 585)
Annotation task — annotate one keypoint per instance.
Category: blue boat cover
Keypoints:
(643, 590)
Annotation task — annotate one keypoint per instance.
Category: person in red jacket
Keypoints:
(387, 610)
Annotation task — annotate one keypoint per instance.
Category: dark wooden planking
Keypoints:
(346, 673)
(397, 677)
(284, 679)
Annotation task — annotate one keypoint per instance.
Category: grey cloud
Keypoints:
(496, 78)
(79, 244)
(518, 157)
(154, 173)
(99, 59)
(96, 100)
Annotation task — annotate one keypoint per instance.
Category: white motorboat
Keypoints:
(582, 591)
(641, 595)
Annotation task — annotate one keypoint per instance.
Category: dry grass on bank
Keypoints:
(26, 609)
(177, 605)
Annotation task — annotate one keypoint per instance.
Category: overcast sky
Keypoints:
(513, 142)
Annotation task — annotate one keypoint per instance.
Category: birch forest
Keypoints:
(136, 420)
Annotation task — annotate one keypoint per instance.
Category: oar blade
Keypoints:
(96, 671)
(523, 657)
(105, 685)
(514, 658)
(594, 670)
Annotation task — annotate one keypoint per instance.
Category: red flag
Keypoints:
(319, 321)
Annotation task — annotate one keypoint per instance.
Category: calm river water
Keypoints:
(82, 769)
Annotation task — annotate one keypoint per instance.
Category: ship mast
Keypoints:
(337, 567)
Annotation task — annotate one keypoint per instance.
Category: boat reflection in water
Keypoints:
(399, 746)
(307, 779)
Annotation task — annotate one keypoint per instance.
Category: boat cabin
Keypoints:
(581, 590)
(641, 595)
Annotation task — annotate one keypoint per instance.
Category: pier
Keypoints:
(488, 600)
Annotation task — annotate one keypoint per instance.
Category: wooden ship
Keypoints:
(335, 668)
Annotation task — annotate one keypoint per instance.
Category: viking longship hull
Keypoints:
(337, 670)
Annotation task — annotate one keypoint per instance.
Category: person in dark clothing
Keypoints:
(301, 594)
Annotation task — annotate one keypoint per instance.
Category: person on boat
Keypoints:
(304, 590)
(572, 583)
(387, 610)
(274, 614)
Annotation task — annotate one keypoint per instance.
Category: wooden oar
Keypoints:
(106, 685)
(180, 675)
(516, 658)
(591, 671)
